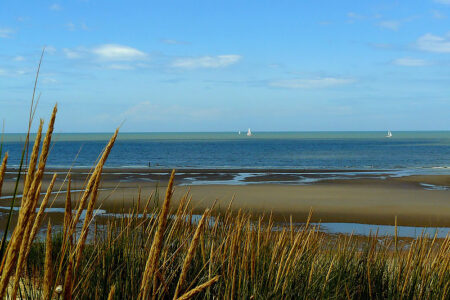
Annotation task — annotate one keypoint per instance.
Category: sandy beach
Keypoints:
(362, 197)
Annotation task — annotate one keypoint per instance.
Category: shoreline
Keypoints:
(364, 197)
(229, 169)
(206, 176)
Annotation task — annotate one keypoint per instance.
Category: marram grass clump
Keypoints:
(165, 252)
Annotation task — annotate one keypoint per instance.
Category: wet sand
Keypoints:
(361, 198)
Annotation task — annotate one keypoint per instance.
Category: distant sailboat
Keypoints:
(239, 132)
(389, 134)
(249, 132)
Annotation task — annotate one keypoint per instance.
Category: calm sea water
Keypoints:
(306, 150)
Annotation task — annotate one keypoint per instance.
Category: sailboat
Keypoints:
(239, 132)
(249, 132)
(389, 134)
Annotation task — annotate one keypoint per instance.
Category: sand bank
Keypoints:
(368, 199)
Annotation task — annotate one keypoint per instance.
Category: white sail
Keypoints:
(389, 134)
(249, 132)
(239, 132)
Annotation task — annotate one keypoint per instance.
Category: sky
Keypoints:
(156, 66)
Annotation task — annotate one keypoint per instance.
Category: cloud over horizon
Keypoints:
(410, 62)
(212, 62)
(315, 83)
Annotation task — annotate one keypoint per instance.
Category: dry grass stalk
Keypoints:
(89, 187)
(147, 204)
(91, 182)
(68, 280)
(48, 272)
(27, 206)
(2, 171)
(292, 228)
(152, 262)
(199, 289)
(40, 214)
(395, 235)
(32, 193)
(190, 254)
(33, 159)
(46, 146)
(67, 208)
(29, 178)
(328, 274)
(30, 234)
(112, 292)
(87, 221)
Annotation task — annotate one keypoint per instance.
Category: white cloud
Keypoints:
(109, 56)
(13, 73)
(218, 61)
(316, 83)
(434, 43)
(116, 52)
(55, 7)
(442, 1)
(49, 80)
(72, 54)
(50, 49)
(410, 62)
(392, 25)
(6, 32)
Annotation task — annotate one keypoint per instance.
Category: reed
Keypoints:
(190, 255)
(2, 171)
(111, 293)
(155, 250)
(68, 281)
(48, 272)
(199, 288)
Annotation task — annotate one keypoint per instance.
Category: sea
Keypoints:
(405, 153)
(412, 152)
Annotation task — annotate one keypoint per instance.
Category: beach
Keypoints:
(334, 196)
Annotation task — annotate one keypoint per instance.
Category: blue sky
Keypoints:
(228, 65)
